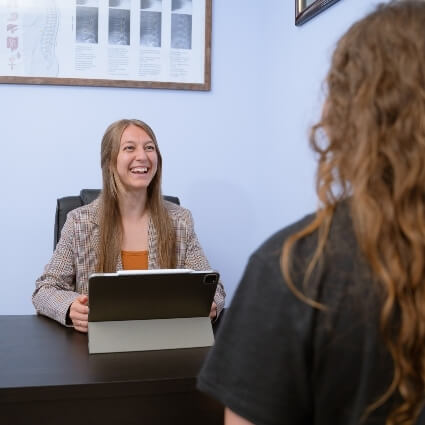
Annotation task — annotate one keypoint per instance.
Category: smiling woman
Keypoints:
(308, 9)
(130, 226)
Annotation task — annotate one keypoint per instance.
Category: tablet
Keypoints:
(151, 294)
(140, 310)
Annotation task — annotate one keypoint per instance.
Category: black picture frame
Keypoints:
(308, 9)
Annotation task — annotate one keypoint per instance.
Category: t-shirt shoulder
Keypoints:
(341, 224)
(273, 245)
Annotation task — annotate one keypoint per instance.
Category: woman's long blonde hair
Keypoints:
(109, 247)
(374, 154)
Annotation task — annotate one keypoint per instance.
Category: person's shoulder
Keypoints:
(272, 246)
(177, 212)
(341, 226)
(89, 212)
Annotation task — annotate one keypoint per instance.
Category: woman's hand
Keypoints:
(79, 313)
(213, 312)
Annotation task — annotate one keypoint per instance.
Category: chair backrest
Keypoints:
(68, 203)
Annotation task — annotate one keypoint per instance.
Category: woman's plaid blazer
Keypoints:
(66, 276)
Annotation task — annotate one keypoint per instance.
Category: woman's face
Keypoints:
(137, 160)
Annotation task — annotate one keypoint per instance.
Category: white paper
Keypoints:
(142, 40)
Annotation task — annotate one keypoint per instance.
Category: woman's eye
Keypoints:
(150, 148)
(128, 148)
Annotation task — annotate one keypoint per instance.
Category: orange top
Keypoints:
(134, 260)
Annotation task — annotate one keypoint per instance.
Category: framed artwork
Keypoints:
(113, 43)
(307, 9)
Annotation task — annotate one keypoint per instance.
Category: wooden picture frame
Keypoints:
(308, 9)
(110, 43)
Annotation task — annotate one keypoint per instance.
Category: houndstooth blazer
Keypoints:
(66, 276)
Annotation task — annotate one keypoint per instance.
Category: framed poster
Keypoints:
(115, 43)
(307, 9)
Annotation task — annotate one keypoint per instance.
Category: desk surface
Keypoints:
(41, 361)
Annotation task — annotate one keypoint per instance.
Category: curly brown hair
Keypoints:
(370, 143)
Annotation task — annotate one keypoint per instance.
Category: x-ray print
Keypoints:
(152, 5)
(92, 3)
(87, 22)
(150, 29)
(119, 26)
(182, 6)
(181, 31)
(122, 4)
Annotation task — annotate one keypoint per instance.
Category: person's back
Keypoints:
(309, 366)
(328, 323)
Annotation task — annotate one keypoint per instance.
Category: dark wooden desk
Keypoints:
(48, 377)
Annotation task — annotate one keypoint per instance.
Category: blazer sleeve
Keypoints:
(196, 259)
(55, 289)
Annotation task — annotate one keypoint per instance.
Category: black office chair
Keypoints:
(68, 203)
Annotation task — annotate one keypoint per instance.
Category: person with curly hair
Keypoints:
(328, 323)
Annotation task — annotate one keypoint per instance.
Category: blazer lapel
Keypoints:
(152, 246)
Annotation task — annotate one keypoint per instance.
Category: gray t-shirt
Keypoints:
(277, 360)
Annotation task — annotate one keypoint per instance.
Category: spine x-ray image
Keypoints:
(87, 20)
(150, 29)
(119, 26)
(181, 31)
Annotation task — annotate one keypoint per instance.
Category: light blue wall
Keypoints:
(237, 156)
